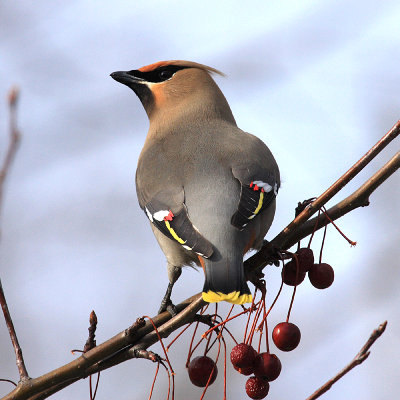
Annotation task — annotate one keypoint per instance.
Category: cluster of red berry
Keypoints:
(266, 367)
(321, 275)
(286, 336)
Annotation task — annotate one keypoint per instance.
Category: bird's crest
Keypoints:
(180, 63)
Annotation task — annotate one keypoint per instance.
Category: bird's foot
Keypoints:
(301, 206)
(276, 254)
(167, 305)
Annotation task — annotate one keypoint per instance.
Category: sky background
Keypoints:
(317, 81)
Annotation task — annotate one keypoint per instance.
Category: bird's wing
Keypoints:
(167, 211)
(259, 187)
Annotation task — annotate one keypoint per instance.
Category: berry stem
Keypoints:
(253, 326)
(169, 384)
(266, 328)
(220, 332)
(322, 245)
(166, 356)
(296, 260)
(212, 344)
(223, 341)
(291, 304)
(251, 310)
(190, 352)
(178, 335)
(97, 385)
(209, 336)
(194, 348)
(337, 228)
(260, 327)
(314, 229)
(228, 319)
(230, 334)
(154, 381)
(259, 342)
(273, 303)
(202, 311)
(212, 371)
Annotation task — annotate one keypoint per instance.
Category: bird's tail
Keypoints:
(224, 281)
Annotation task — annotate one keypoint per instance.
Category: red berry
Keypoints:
(243, 355)
(200, 369)
(286, 336)
(305, 256)
(256, 387)
(321, 275)
(245, 371)
(267, 366)
(291, 276)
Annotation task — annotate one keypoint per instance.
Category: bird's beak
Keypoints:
(126, 77)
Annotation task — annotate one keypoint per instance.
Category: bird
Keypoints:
(207, 187)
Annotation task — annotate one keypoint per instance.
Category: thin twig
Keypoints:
(345, 178)
(359, 198)
(14, 135)
(23, 373)
(261, 258)
(361, 356)
(11, 150)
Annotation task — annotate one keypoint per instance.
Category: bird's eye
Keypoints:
(165, 74)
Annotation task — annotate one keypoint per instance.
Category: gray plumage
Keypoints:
(216, 183)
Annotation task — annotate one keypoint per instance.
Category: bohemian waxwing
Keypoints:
(207, 187)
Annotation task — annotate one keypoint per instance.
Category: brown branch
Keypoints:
(107, 354)
(361, 356)
(263, 257)
(359, 198)
(123, 346)
(343, 180)
(164, 330)
(11, 150)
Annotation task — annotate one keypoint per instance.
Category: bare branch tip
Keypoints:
(381, 328)
(13, 96)
(93, 318)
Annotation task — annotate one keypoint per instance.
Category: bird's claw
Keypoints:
(167, 305)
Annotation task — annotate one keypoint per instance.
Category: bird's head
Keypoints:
(175, 88)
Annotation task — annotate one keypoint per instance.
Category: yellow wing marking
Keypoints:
(173, 233)
(260, 203)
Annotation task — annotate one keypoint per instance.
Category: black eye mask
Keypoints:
(160, 74)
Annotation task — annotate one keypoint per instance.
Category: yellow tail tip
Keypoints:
(233, 297)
